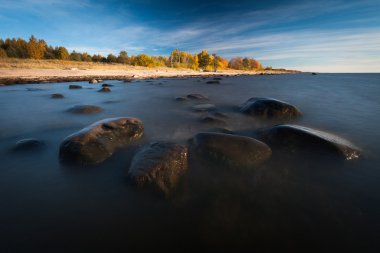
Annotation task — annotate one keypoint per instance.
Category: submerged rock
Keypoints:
(220, 130)
(213, 120)
(104, 89)
(203, 108)
(57, 95)
(93, 81)
(213, 82)
(85, 109)
(196, 96)
(159, 164)
(74, 87)
(97, 142)
(35, 89)
(220, 115)
(230, 149)
(181, 99)
(270, 108)
(299, 139)
(28, 145)
(107, 85)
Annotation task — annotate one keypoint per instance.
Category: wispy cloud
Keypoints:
(302, 35)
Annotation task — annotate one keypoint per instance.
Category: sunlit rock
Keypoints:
(298, 139)
(97, 142)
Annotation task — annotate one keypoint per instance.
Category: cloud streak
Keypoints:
(343, 35)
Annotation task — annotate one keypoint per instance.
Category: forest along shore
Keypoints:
(25, 75)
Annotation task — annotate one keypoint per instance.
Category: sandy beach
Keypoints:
(20, 72)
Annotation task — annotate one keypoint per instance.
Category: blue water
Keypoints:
(285, 205)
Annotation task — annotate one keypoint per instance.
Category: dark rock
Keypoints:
(297, 139)
(57, 95)
(217, 78)
(159, 164)
(93, 81)
(28, 145)
(35, 89)
(181, 99)
(104, 89)
(314, 74)
(85, 109)
(107, 85)
(213, 82)
(219, 130)
(97, 142)
(196, 96)
(203, 108)
(127, 80)
(231, 150)
(213, 120)
(73, 87)
(270, 108)
(220, 115)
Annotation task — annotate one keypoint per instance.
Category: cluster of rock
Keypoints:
(162, 165)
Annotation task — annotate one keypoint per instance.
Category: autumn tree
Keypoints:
(255, 64)
(195, 64)
(204, 59)
(3, 53)
(86, 57)
(236, 63)
(97, 58)
(111, 58)
(36, 48)
(143, 60)
(74, 56)
(123, 57)
(61, 53)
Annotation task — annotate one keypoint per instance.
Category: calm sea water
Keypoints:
(314, 205)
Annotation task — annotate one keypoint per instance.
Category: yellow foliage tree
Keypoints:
(36, 49)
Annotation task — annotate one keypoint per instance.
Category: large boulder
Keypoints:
(297, 139)
(270, 108)
(85, 109)
(97, 142)
(159, 164)
(231, 150)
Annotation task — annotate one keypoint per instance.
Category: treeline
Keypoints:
(38, 49)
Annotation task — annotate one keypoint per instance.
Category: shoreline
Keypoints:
(31, 76)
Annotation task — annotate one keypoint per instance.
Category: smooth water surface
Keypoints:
(287, 204)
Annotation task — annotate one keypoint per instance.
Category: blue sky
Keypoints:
(324, 35)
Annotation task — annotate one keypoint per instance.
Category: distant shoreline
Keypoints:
(10, 76)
